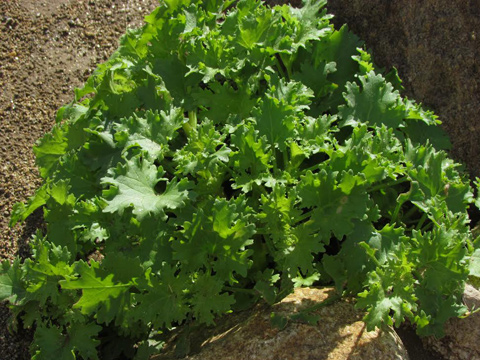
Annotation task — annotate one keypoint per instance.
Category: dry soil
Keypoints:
(47, 48)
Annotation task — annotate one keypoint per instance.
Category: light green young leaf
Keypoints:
(21, 211)
(474, 266)
(303, 25)
(276, 116)
(50, 148)
(376, 103)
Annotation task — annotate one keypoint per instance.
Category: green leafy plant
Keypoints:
(229, 152)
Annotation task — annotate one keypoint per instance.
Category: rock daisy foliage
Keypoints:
(228, 152)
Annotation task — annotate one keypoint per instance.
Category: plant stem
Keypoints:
(388, 184)
(422, 220)
(285, 159)
(409, 213)
(396, 211)
(281, 66)
(167, 166)
(240, 290)
(191, 124)
(303, 217)
(287, 65)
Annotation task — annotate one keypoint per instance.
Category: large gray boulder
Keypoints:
(435, 45)
(339, 334)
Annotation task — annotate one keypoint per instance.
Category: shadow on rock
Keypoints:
(338, 333)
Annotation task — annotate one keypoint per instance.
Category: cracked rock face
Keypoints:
(339, 334)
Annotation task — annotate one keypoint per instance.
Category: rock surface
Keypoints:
(435, 45)
(339, 334)
(461, 341)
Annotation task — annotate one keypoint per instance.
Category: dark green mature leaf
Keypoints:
(152, 132)
(316, 77)
(303, 246)
(83, 339)
(55, 344)
(266, 285)
(97, 290)
(339, 47)
(12, 287)
(219, 101)
(333, 208)
(217, 239)
(51, 344)
(388, 243)
(349, 267)
(163, 301)
(207, 299)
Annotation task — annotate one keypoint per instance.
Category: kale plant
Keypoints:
(226, 153)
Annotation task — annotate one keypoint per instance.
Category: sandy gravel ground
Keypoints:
(47, 48)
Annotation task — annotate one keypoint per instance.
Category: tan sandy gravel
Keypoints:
(47, 48)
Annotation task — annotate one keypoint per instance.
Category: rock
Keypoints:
(471, 297)
(434, 44)
(339, 334)
(461, 341)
